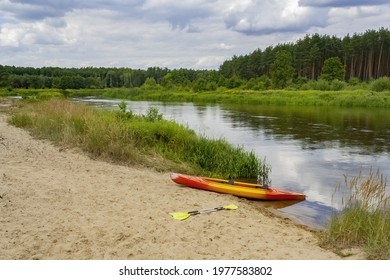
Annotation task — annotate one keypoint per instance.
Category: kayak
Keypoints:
(241, 189)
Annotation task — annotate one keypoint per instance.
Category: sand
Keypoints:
(61, 204)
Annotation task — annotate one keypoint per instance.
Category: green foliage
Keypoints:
(6, 92)
(150, 83)
(354, 81)
(321, 85)
(333, 69)
(153, 115)
(281, 71)
(324, 85)
(381, 84)
(233, 82)
(202, 84)
(337, 85)
(49, 95)
(148, 140)
(365, 55)
(122, 113)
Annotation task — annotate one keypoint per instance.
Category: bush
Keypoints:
(153, 115)
(333, 69)
(317, 85)
(337, 85)
(122, 113)
(381, 84)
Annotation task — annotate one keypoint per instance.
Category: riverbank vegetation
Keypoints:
(147, 140)
(365, 220)
(316, 63)
(346, 98)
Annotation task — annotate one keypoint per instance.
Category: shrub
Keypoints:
(122, 113)
(333, 69)
(337, 85)
(153, 115)
(381, 84)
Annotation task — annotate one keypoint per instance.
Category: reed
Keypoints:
(365, 219)
(132, 139)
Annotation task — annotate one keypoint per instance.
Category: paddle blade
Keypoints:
(184, 215)
(180, 215)
(230, 207)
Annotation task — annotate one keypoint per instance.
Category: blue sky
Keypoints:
(196, 34)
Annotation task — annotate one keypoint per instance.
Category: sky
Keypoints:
(192, 34)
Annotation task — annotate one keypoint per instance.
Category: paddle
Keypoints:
(184, 215)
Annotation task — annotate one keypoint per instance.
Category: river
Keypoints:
(310, 149)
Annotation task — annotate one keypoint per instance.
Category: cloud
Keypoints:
(206, 62)
(353, 12)
(180, 14)
(167, 33)
(47, 32)
(267, 17)
(41, 9)
(36, 9)
(341, 3)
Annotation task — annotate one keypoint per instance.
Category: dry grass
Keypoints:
(365, 220)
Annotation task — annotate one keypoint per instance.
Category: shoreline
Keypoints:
(60, 204)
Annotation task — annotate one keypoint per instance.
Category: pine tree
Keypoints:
(282, 69)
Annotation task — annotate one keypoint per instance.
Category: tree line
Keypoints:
(365, 56)
(360, 57)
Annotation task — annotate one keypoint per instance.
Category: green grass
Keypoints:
(36, 94)
(124, 137)
(365, 219)
(292, 97)
(335, 98)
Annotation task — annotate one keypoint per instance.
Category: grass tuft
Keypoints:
(365, 220)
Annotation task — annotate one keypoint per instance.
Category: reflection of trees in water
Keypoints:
(319, 127)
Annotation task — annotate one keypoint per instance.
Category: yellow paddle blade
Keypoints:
(184, 215)
(230, 207)
(180, 215)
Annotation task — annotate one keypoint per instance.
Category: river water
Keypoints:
(310, 149)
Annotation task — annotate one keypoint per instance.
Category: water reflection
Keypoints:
(310, 149)
(316, 127)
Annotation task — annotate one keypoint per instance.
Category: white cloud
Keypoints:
(341, 3)
(265, 17)
(224, 46)
(207, 62)
(353, 12)
(167, 33)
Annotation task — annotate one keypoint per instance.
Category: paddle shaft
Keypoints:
(196, 212)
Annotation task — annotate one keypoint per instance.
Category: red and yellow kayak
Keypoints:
(240, 189)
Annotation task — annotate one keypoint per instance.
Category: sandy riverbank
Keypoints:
(60, 204)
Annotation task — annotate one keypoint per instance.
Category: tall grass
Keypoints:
(147, 139)
(376, 96)
(365, 219)
(312, 97)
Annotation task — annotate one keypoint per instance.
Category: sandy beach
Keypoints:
(60, 204)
